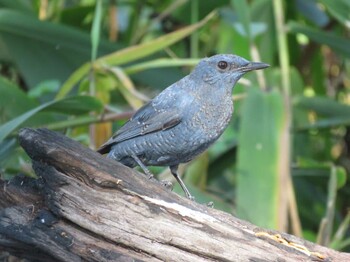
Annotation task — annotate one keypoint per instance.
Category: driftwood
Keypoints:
(85, 207)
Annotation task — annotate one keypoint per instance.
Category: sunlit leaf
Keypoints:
(159, 63)
(126, 87)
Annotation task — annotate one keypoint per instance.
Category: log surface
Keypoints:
(85, 207)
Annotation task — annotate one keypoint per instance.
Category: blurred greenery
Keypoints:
(81, 66)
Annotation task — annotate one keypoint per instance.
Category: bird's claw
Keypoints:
(210, 204)
(168, 185)
(190, 197)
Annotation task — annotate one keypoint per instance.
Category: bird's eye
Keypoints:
(222, 64)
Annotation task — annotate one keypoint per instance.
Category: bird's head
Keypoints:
(225, 69)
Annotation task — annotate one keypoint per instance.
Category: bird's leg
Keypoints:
(173, 170)
(168, 185)
(144, 168)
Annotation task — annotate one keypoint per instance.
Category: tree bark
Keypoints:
(85, 207)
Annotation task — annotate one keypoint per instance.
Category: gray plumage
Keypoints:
(183, 120)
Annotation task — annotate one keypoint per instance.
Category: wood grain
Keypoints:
(85, 207)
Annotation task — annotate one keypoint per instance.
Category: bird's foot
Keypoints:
(143, 167)
(190, 197)
(210, 204)
(167, 184)
(148, 173)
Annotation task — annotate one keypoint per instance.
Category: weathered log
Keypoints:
(85, 207)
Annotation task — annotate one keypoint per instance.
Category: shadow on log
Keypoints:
(85, 207)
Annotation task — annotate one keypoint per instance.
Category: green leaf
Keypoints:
(312, 11)
(341, 176)
(45, 87)
(83, 120)
(70, 105)
(323, 106)
(127, 88)
(95, 31)
(13, 101)
(310, 167)
(196, 173)
(340, 9)
(139, 51)
(338, 43)
(325, 123)
(44, 50)
(132, 53)
(242, 11)
(330, 112)
(160, 63)
(75, 105)
(20, 5)
(326, 225)
(259, 154)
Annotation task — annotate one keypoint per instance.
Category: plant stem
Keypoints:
(286, 197)
(282, 45)
(326, 227)
(194, 36)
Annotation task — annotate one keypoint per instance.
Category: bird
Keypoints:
(183, 120)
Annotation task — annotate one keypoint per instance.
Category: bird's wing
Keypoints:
(162, 113)
(147, 120)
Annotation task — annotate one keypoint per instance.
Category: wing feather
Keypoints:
(162, 113)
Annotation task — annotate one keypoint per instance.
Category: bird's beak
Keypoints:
(253, 66)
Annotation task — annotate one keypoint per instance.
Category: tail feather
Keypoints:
(105, 148)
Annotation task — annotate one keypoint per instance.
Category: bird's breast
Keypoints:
(212, 118)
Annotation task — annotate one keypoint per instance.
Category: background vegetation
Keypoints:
(82, 66)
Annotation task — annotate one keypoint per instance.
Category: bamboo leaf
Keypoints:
(127, 88)
(323, 106)
(159, 63)
(132, 53)
(95, 31)
(139, 51)
(259, 155)
(330, 113)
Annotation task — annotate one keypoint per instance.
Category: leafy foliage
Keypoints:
(80, 67)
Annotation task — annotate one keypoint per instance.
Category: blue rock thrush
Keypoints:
(183, 120)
